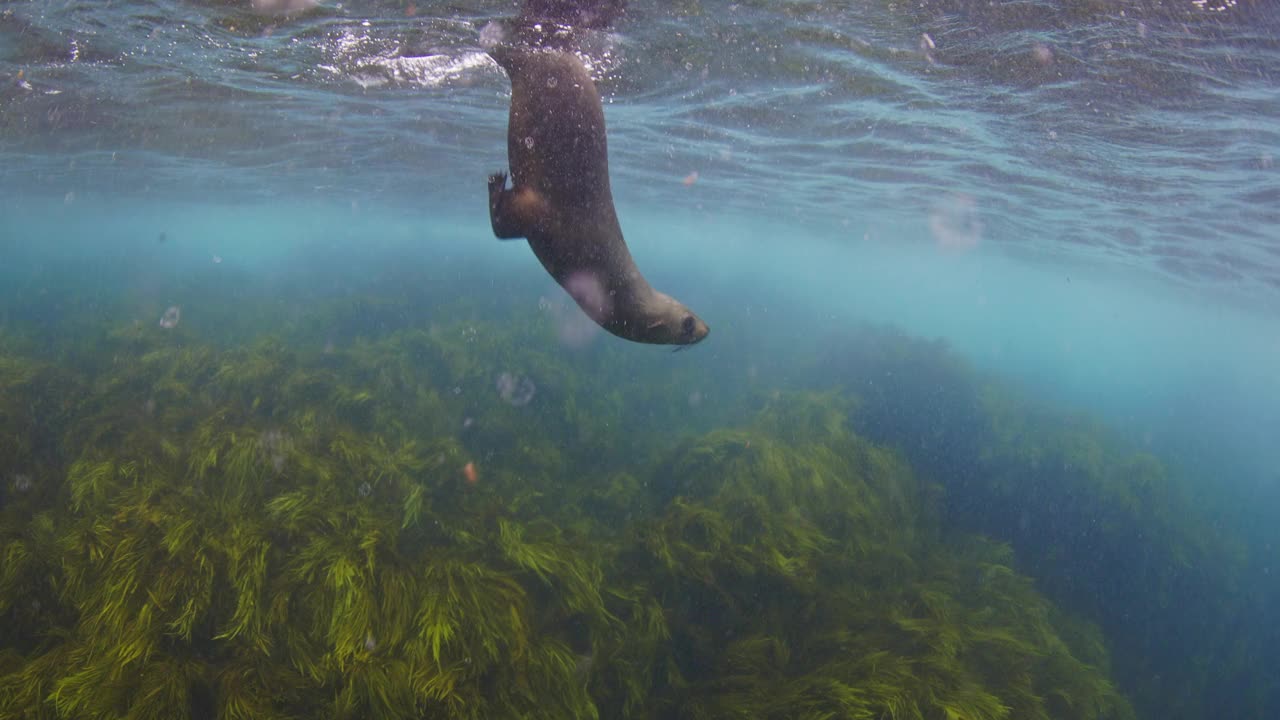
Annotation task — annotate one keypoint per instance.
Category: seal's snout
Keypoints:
(692, 330)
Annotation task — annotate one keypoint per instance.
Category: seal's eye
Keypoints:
(689, 325)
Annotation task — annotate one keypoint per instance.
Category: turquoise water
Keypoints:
(1079, 200)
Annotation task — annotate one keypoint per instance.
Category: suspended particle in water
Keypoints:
(552, 82)
(22, 483)
(369, 643)
(170, 319)
(1042, 54)
(516, 390)
(690, 179)
(162, 237)
(528, 142)
(217, 259)
(365, 489)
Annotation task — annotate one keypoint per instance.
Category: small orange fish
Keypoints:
(690, 179)
(469, 473)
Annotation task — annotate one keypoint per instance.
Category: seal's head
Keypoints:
(669, 322)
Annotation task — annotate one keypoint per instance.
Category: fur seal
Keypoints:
(560, 199)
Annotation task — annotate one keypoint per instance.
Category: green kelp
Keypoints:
(804, 576)
(914, 393)
(262, 532)
(599, 406)
(1118, 538)
(1104, 527)
(235, 541)
(37, 403)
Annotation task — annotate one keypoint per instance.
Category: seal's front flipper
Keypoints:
(514, 212)
(502, 209)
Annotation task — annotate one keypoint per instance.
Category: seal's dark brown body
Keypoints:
(561, 202)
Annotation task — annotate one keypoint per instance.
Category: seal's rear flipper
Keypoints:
(514, 212)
